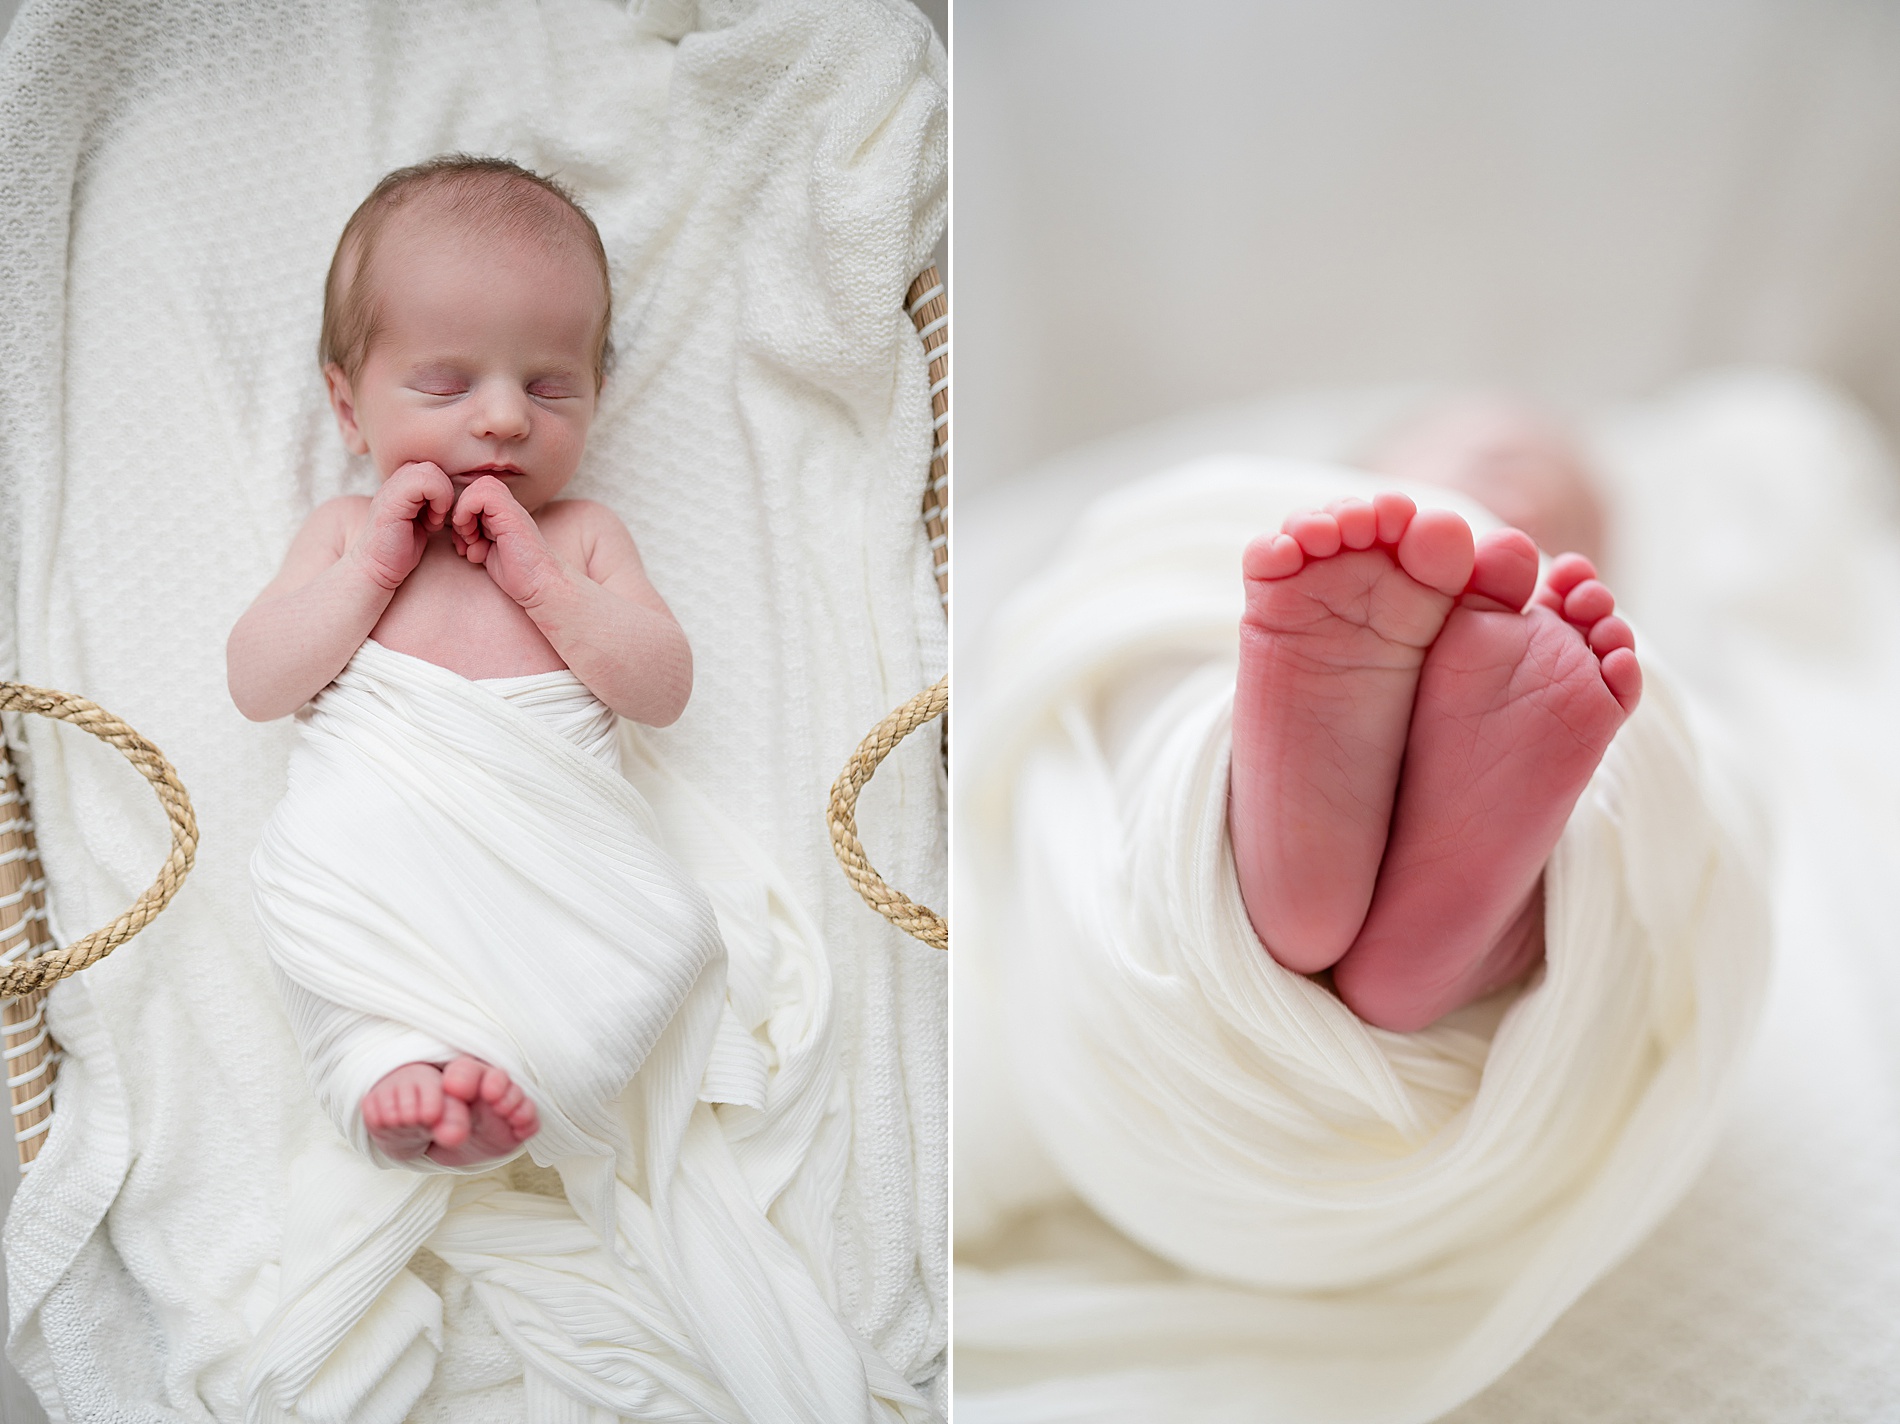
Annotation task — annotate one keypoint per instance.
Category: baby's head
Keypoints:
(465, 324)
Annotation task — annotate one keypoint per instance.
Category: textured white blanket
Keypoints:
(768, 179)
(1373, 1225)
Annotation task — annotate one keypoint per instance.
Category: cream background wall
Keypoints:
(1164, 206)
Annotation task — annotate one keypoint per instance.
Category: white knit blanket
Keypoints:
(768, 178)
(461, 867)
(1339, 1223)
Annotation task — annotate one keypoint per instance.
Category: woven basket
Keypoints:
(31, 960)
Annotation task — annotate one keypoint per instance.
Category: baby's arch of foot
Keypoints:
(1434, 546)
(1572, 591)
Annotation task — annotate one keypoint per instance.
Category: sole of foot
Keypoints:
(1514, 711)
(1342, 605)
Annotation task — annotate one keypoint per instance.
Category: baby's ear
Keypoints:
(343, 403)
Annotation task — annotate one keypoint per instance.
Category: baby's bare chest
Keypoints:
(450, 612)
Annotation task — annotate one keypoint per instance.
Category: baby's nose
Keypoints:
(501, 413)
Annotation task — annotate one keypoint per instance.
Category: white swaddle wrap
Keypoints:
(1345, 1223)
(461, 867)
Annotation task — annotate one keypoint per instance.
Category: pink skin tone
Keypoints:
(1517, 462)
(473, 401)
(1414, 721)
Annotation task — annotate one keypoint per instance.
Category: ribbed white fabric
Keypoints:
(1363, 1226)
(465, 862)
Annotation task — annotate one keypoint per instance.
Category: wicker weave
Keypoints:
(929, 309)
(31, 960)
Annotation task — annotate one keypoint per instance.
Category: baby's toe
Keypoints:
(1394, 512)
(495, 1085)
(1567, 571)
(452, 1130)
(1623, 675)
(1588, 603)
(1316, 532)
(1358, 522)
(1504, 571)
(463, 1078)
(1272, 556)
(1610, 633)
(1437, 550)
(524, 1120)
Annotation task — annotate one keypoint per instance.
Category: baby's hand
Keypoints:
(491, 529)
(411, 505)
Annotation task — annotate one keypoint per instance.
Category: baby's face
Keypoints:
(483, 362)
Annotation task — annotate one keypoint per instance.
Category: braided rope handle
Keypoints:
(842, 816)
(928, 306)
(55, 964)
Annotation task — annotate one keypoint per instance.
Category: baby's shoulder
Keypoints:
(347, 510)
(336, 521)
(578, 522)
(592, 535)
(579, 513)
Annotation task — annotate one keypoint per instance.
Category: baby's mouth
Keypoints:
(501, 472)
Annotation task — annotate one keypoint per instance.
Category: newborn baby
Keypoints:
(465, 335)
(1414, 721)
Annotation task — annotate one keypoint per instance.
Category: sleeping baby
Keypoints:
(465, 335)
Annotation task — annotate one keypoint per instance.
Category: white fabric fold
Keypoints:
(1336, 1222)
(464, 863)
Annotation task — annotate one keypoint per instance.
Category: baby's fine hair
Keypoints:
(495, 196)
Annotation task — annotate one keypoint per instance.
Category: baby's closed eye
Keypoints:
(439, 381)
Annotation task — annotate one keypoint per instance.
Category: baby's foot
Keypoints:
(1341, 606)
(468, 1112)
(407, 1108)
(1514, 711)
(499, 1115)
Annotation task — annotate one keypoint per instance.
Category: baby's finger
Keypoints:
(441, 495)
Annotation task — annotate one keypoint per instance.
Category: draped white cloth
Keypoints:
(1338, 1223)
(461, 867)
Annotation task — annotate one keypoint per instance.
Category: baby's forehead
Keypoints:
(500, 225)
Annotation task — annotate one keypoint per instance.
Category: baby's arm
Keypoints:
(608, 623)
(342, 569)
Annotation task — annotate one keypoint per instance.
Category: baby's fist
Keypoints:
(413, 503)
(491, 528)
